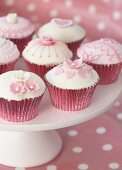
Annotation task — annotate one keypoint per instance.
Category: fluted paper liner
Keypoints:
(70, 100)
(73, 47)
(19, 111)
(38, 69)
(22, 42)
(108, 73)
(7, 67)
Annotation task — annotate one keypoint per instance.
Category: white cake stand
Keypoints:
(36, 142)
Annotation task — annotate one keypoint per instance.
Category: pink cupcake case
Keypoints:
(97, 143)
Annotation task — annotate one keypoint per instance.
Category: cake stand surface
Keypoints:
(36, 142)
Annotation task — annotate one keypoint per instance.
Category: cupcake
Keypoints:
(8, 55)
(65, 30)
(20, 95)
(105, 56)
(71, 85)
(17, 29)
(43, 54)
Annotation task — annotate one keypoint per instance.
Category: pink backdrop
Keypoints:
(95, 145)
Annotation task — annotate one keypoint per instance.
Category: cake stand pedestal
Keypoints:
(28, 149)
(36, 142)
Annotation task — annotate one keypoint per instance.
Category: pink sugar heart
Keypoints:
(69, 74)
(59, 71)
(82, 73)
(62, 23)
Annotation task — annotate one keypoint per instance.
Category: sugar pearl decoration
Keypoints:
(12, 18)
(2, 41)
(31, 87)
(17, 89)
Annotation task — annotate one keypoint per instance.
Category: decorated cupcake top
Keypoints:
(13, 26)
(103, 51)
(72, 75)
(46, 51)
(19, 85)
(8, 51)
(65, 30)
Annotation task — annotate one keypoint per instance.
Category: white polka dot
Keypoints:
(107, 147)
(77, 149)
(100, 130)
(119, 116)
(35, 18)
(31, 7)
(83, 166)
(68, 3)
(10, 2)
(53, 13)
(101, 26)
(117, 103)
(46, 1)
(116, 15)
(92, 9)
(113, 165)
(106, 1)
(19, 168)
(72, 133)
(77, 18)
(51, 167)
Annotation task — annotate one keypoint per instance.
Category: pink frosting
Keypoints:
(62, 23)
(103, 51)
(8, 52)
(23, 28)
(20, 88)
(47, 40)
(74, 67)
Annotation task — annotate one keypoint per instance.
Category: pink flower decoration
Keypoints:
(87, 70)
(47, 40)
(32, 86)
(17, 88)
(62, 23)
(82, 73)
(74, 64)
(74, 67)
(89, 58)
(69, 74)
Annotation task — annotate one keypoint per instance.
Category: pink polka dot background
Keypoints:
(97, 144)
